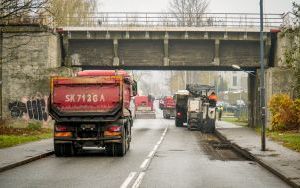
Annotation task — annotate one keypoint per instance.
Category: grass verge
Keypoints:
(235, 121)
(13, 136)
(289, 139)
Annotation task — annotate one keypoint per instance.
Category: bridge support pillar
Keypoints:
(166, 52)
(116, 60)
(66, 60)
(217, 52)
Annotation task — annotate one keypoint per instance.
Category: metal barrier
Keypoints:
(150, 19)
(175, 19)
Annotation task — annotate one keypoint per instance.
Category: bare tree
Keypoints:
(17, 11)
(189, 12)
(73, 12)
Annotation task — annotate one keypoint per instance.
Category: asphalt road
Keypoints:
(161, 155)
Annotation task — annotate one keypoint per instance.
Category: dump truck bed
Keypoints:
(86, 96)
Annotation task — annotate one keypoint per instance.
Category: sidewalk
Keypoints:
(282, 161)
(15, 156)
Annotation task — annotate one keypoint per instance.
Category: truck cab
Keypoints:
(144, 108)
(168, 107)
(181, 101)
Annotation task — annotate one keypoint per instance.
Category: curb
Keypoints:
(25, 161)
(252, 157)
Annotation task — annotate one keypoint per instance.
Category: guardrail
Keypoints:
(147, 19)
(150, 19)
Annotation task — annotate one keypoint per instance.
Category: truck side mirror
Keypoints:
(134, 88)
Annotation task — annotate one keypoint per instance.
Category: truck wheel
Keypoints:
(127, 145)
(109, 148)
(117, 149)
(128, 139)
(120, 148)
(66, 150)
(178, 123)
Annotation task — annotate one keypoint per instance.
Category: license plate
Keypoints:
(88, 126)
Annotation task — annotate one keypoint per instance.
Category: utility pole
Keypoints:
(262, 79)
(185, 79)
(1, 67)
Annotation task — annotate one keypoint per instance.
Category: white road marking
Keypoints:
(151, 153)
(128, 180)
(147, 161)
(138, 181)
(155, 147)
(144, 164)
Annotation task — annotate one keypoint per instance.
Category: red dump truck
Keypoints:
(144, 107)
(168, 107)
(92, 110)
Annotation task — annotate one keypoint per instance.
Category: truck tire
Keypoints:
(128, 138)
(178, 123)
(117, 149)
(64, 150)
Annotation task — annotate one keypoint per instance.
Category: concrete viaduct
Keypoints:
(165, 48)
(136, 46)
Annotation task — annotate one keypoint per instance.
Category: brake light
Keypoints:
(114, 129)
(61, 128)
(178, 114)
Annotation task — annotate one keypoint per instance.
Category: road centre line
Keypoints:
(151, 153)
(147, 161)
(128, 180)
(144, 164)
(138, 181)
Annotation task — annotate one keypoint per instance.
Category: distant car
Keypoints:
(240, 103)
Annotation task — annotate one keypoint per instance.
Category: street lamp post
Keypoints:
(262, 80)
(263, 130)
(239, 68)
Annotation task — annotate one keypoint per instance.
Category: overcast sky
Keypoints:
(271, 6)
